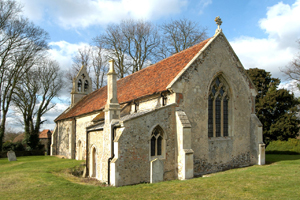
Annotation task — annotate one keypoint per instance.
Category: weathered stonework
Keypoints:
(120, 146)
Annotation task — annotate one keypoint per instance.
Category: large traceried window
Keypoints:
(218, 109)
(156, 141)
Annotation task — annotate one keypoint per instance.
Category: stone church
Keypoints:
(187, 115)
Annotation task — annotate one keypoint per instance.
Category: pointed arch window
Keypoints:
(218, 102)
(79, 84)
(86, 85)
(157, 138)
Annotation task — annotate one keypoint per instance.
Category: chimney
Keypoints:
(112, 107)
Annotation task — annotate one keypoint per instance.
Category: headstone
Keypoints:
(156, 171)
(84, 173)
(261, 155)
(11, 156)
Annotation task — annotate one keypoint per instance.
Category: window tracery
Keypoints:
(218, 102)
(156, 141)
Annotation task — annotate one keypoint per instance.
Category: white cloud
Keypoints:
(291, 86)
(203, 4)
(279, 48)
(77, 14)
(63, 52)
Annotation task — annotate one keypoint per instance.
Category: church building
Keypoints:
(187, 115)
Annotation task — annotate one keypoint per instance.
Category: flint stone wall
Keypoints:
(217, 154)
(134, 146)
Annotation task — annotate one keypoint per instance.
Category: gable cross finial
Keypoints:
(218, 22)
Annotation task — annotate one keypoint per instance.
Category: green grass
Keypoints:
(43, 177)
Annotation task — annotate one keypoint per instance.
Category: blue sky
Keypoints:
(263, 33)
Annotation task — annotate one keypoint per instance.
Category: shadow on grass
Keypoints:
(276, 156)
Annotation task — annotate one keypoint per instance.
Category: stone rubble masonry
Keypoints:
(186, 148)
(133, 156)
(214, 154)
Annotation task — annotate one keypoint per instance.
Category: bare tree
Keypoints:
(83, 57)
(21, 45)
(142, 39)
(131, 44)
(9, 10)
(115, 44)
(10, 134)
(180, 35)
(33, 96)
(293, 69)
(93, 57)
(99, 63)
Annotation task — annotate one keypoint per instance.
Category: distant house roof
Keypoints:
(45, 134)
(148, 81)
(19, 138)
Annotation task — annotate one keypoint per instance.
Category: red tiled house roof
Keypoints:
(44, 134)
(148, 81)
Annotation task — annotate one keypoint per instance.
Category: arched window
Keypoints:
(79, 84)
(86, 85)
(156, 141)
(218, 108)
(93, 169)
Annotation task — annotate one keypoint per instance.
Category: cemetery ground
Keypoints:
(46, 177)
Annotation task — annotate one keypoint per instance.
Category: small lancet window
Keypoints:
(86, 85)
(79, 84)
(156, 141)
(218, 102)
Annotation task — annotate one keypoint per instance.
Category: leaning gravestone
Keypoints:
(11, 156)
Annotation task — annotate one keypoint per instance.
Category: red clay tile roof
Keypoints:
(148, 81)
(44, 134)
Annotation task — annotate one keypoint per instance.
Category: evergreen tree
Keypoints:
(277, 109)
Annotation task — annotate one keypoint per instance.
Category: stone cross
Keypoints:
(11, 155)
(218, 22)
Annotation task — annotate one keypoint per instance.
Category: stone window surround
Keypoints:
(222, 84)
(91, 169)
(79, 85)
(163, 144)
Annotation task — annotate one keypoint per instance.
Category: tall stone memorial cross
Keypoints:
(11, 155)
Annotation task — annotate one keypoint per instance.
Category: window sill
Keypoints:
(158, 157)
(212, 139)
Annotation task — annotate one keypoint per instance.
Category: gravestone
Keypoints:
(156, 171)
(11, 155)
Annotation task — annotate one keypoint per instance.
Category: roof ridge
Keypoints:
(175, 54)
(147, 81)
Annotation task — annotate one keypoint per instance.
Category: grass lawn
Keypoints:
(42, 177)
